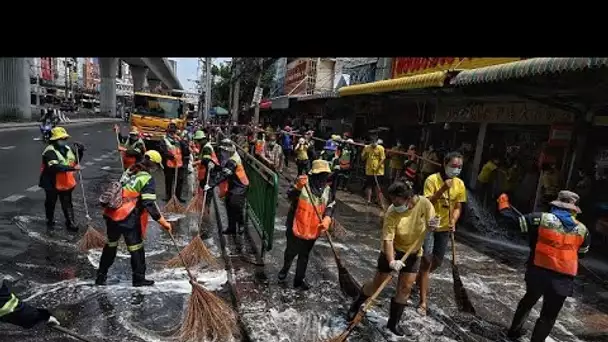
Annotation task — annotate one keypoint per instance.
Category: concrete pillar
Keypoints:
(140, 77)
(108, 67)
(481, 136)
(15, 89)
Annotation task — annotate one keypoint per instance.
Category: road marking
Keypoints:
(7, 147)
(13, 198)
(106, 168)
(83, 167)
(98, 131)
(85, 133)
(37, 139)
(97, 159)
(33, 188)
(104, 156)
(89, 163)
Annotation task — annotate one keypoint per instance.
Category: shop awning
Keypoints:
(430, 80)
(525, 68)
(322, 95)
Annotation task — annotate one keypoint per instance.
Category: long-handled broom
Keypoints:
(379, 194)
(207, 318)
(92, 238)
(460, 293)
(173, 205)
(370, 301)
(348, 284)
(122, 163)
(196, 251)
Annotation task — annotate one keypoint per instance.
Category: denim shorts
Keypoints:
(436, 244)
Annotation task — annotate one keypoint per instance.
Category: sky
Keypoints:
(186, 70)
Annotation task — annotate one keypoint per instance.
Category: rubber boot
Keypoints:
(107, 259)
(138, 264)
(69, 220)
(354, 307)
(396, 312)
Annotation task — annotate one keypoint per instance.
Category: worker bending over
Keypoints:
(58, 176)
(310, 197)
(233, 183)
(557, 241)
(132, 147)
(130, 220)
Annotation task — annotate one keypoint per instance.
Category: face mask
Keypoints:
(318, 180)
(400, 209)
(452, 172)
(62, 142)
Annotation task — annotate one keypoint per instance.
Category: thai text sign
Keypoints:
(504, 113)
(295, 77)
(408, 66)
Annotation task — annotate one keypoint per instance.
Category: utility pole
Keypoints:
(236, 90)
(256, 113)
(67, 78)
(207, 87)
(231, 90)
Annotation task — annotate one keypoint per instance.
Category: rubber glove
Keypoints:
(165, 224)
(53, 321)
(396, 265)
(301, 182)
(324, 225)
(206, 187)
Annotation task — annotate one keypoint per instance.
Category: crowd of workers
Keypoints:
(426, 203)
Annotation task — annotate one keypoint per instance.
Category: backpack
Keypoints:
(111, 197)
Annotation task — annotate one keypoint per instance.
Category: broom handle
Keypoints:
(204, 200)
(451, 233)
(122, 163)
(84, 198)
(69, 332)
(175, 180)
(331, 243)
(380, 195)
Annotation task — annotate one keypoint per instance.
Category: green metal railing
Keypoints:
(262, 197)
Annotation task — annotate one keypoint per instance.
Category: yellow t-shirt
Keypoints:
(397, 160)
(458, 194)
(486, 172)
(374, 160)
(406, 228)
(302, 152)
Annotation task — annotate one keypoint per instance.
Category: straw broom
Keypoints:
(92, 238)
(196, 251)
(370, 301)
(173, 205)
(207, 316)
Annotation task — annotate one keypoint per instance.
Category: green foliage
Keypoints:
(220, 91)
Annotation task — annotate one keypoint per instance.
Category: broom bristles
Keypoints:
(196, 204)
(194, 253)
(207, 318)
(173, 206)
(338, 229)
(92, 239)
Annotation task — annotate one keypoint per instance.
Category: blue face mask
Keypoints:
(401, 209)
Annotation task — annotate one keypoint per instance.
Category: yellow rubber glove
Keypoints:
(165, 224)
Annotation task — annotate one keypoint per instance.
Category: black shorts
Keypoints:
(370, 182)
(412, 263)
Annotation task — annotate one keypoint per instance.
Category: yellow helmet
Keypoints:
(154, 156)
(59, 133)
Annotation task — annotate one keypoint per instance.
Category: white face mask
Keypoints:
(400, 209)
(452, 172)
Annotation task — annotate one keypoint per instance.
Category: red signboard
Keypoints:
(295, 77)
(408, 66)
(47, 71)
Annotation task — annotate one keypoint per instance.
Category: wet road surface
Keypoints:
(48, 271)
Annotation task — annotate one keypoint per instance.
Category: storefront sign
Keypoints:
(295, 77)
(408, 66)
(560, 135)
(504, 113)
(360, 74)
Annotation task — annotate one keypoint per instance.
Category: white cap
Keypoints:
(380, 142)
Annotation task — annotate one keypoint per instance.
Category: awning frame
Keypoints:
(423, 81)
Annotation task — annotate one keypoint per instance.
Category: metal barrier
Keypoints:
(262, 197)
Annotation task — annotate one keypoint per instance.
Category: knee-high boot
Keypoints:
(107, 259)
(396, 312)
(138, 264)
(354, 307)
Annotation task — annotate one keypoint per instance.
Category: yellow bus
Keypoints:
(152, 113)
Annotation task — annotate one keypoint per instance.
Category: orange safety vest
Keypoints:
(63, 180)
(306, 221)
(130, 195)
(202, 169)
(176, 152)
(129, 161)
(556, 249)
(345, 157)
(259, 147)
(240, 173)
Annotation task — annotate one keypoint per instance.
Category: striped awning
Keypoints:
(322, 95)
(525, 68)
(430, 80)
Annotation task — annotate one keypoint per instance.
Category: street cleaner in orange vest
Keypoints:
(206, 159)
(557, 241)
(15, 311)
(132, 147)
(347, 154)
(233, 183)
(58, 176)
(303, 224)
(130, 219)
(171, 151)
